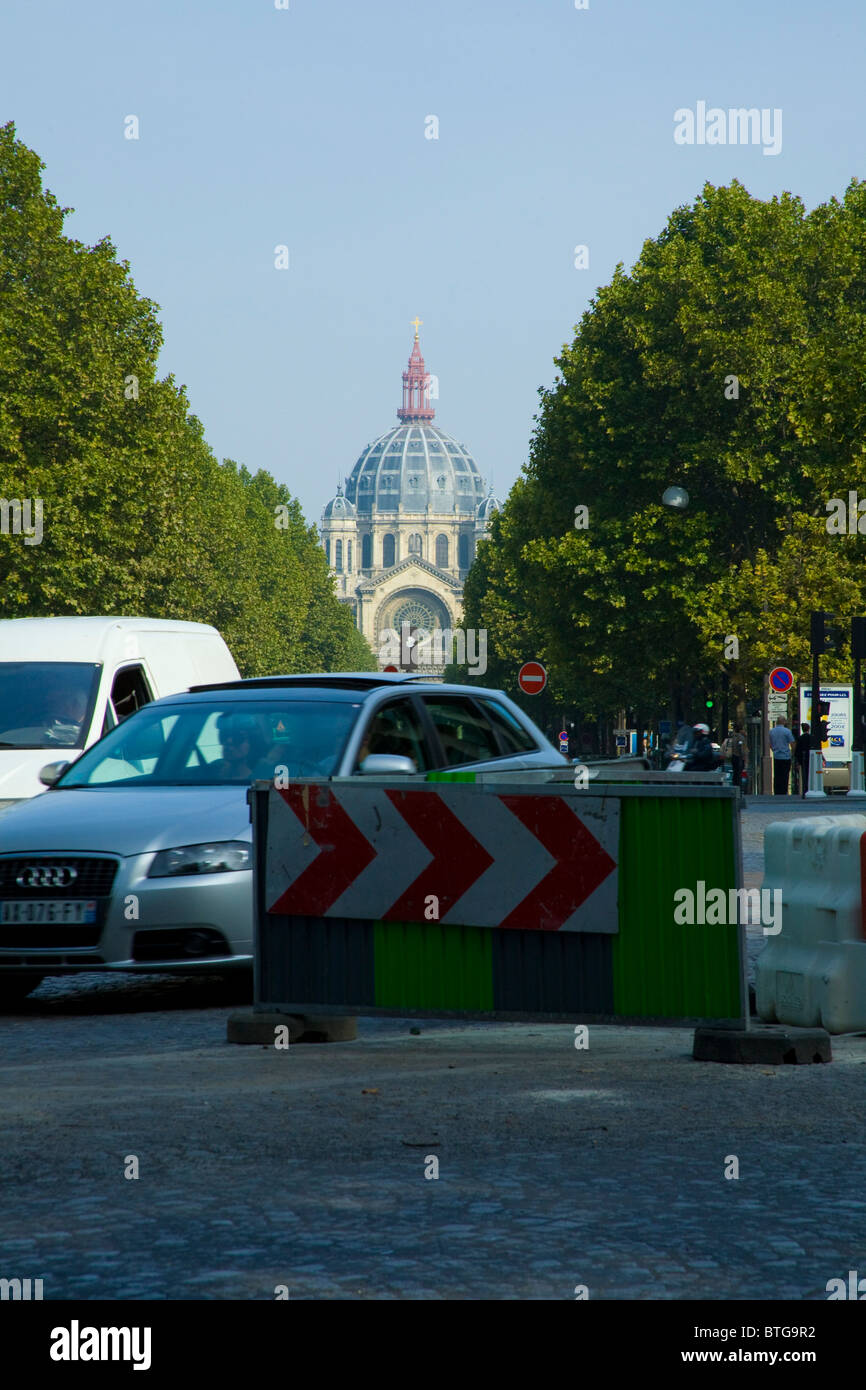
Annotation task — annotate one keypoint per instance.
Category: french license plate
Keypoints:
(39, 910)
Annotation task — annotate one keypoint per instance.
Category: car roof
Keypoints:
(342, 685)
(79, 639)
(358, 680)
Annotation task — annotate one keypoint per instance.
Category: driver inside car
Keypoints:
(243, 748)
(67, 710)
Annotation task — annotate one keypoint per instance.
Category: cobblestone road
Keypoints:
(557, 1167)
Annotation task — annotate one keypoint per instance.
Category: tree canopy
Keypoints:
(139, 517)
(728, 362)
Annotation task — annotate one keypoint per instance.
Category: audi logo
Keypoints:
(46, 876)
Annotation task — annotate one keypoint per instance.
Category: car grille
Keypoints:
(93, 877)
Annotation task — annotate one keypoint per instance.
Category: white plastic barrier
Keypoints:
(813, 974)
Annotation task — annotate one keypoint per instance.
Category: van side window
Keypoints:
(129, 692)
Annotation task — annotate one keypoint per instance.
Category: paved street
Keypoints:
(305, 1167)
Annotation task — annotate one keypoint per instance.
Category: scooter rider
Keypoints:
(703, 756)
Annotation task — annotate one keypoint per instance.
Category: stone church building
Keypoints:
(401, 538)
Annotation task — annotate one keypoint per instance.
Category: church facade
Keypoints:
(401, 537)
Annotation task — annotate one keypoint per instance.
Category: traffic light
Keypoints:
(824, 636)
(858, 637)
(708, 702)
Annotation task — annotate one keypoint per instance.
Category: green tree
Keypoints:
(139, 517)
(729, 362)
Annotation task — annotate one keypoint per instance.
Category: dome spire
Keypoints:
(416, 385)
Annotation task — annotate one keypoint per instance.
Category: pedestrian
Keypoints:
(781, 743)
(735, 751)
(802, 749)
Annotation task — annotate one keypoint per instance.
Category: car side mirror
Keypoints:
(52, 772)
(386, 765)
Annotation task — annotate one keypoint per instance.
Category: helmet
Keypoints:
(702, 728)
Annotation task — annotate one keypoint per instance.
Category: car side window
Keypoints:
(396, 728)
(514, 737)
(464, 733)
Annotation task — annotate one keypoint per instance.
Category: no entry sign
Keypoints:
(532, 678)
(781, 680)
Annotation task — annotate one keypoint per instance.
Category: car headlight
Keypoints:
(226, 857)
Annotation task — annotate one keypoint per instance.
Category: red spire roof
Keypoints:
(416, 386)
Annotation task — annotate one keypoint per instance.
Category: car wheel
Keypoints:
(16, 986)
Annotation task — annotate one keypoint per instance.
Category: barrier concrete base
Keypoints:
(762, 1044)
(245, 1026)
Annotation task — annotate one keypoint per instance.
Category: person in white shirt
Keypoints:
(781, 742)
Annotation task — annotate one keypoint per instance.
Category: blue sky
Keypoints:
(306, 127)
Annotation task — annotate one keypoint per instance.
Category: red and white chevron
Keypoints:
(533, 860)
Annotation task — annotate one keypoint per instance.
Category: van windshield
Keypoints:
(46, 704)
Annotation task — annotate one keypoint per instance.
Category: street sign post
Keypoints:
(532, 678)
(781, 680)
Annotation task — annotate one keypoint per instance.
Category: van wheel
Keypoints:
(15, 986)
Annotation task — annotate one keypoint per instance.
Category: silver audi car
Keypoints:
(138, 858)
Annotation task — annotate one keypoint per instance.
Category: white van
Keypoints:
(64, 682)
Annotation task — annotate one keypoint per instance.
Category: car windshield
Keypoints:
(218, 743)
(46, 704)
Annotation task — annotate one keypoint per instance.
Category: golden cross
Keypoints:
(417, 322)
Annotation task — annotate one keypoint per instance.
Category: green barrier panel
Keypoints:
(659, 966)
(433, 967)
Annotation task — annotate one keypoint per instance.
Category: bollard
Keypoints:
(816, 772)
(857, 789)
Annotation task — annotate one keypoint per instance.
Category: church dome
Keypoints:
(416, 465)
(339, 508)
(484, 511)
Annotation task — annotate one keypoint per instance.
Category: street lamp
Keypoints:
(675, 497)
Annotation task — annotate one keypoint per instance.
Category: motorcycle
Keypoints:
(684, 752)
(680, 751)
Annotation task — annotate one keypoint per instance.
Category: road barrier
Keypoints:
(492, 898)
(814, 972)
